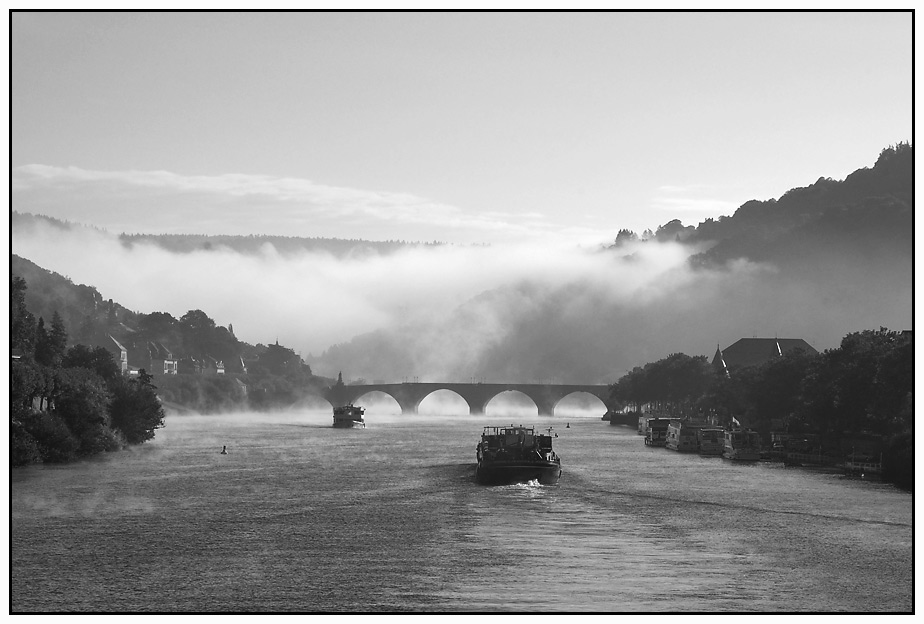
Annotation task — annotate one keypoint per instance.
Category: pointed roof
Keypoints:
(755, 351)
(718, 361)
(117, 343)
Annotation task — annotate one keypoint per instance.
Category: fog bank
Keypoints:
(525, 313)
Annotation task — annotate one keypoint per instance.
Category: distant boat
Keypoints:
(349, 416)
(508, 455)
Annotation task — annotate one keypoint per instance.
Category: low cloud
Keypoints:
(520, 312)
(237, 204)
(694, 201)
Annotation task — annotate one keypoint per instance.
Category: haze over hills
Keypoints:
(819, 262)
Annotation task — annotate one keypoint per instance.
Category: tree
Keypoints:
(156, 325)
(57, 339)
(50, 345)
(23, 446)
(42, 346)
(135, 409)
(53, 439)
(89, 327)
(624, 237)
(775, 393)
(111, 318)
(98, 359)
(27, 382)
(674, 230)
(279, 360)
(196, 321)
(81, 401)
(22, 322)
(863, 384)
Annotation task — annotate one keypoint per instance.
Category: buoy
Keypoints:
(224, 450)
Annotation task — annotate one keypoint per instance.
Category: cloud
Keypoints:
(697, 200)
(165, 202)
(444, 305)
(523, 311)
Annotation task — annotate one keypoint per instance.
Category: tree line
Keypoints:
(67, 403)
(864, 387)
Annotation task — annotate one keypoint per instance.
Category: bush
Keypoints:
(24, 449)
(135, 409)
(898, 461)
(99, 438)
(55, 442)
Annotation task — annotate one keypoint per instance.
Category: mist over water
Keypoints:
(300, 516)
(528, 313)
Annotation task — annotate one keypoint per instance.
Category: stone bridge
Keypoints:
(476, 395)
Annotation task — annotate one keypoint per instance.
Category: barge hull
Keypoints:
(547, 473)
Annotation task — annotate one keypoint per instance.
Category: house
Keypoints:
(242, 388)
(119, 352)
(189, 366)
(212, 366)
(756, 351)
(162, 360)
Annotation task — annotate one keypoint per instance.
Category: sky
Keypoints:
(462, 128)
(540, 135)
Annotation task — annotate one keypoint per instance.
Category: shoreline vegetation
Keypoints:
(856, 399)
(71, 402)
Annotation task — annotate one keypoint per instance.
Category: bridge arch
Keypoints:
(514, 402)
(444, 401)
(587, 400)
(476, 395)
(380, 399)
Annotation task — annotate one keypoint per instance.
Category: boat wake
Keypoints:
(532, 484)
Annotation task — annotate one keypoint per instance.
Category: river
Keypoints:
(302, 517)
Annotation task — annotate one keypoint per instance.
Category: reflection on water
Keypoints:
(303, 517)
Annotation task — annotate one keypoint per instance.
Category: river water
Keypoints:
(299, 516)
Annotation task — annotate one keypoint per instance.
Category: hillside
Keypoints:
(89, 318)
(81, 306)
(821, 261)
(866, 214)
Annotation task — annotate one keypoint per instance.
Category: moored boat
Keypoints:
(348, 416)
(711, 440)
(508, 455)
(656, 432)
(682, 436)
(645, 422)
(742, 445)
(859, 464)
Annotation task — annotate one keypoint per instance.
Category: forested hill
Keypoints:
(49, 292)
(88, 318)
(866, 215)
(252, 244)
(870, 207)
